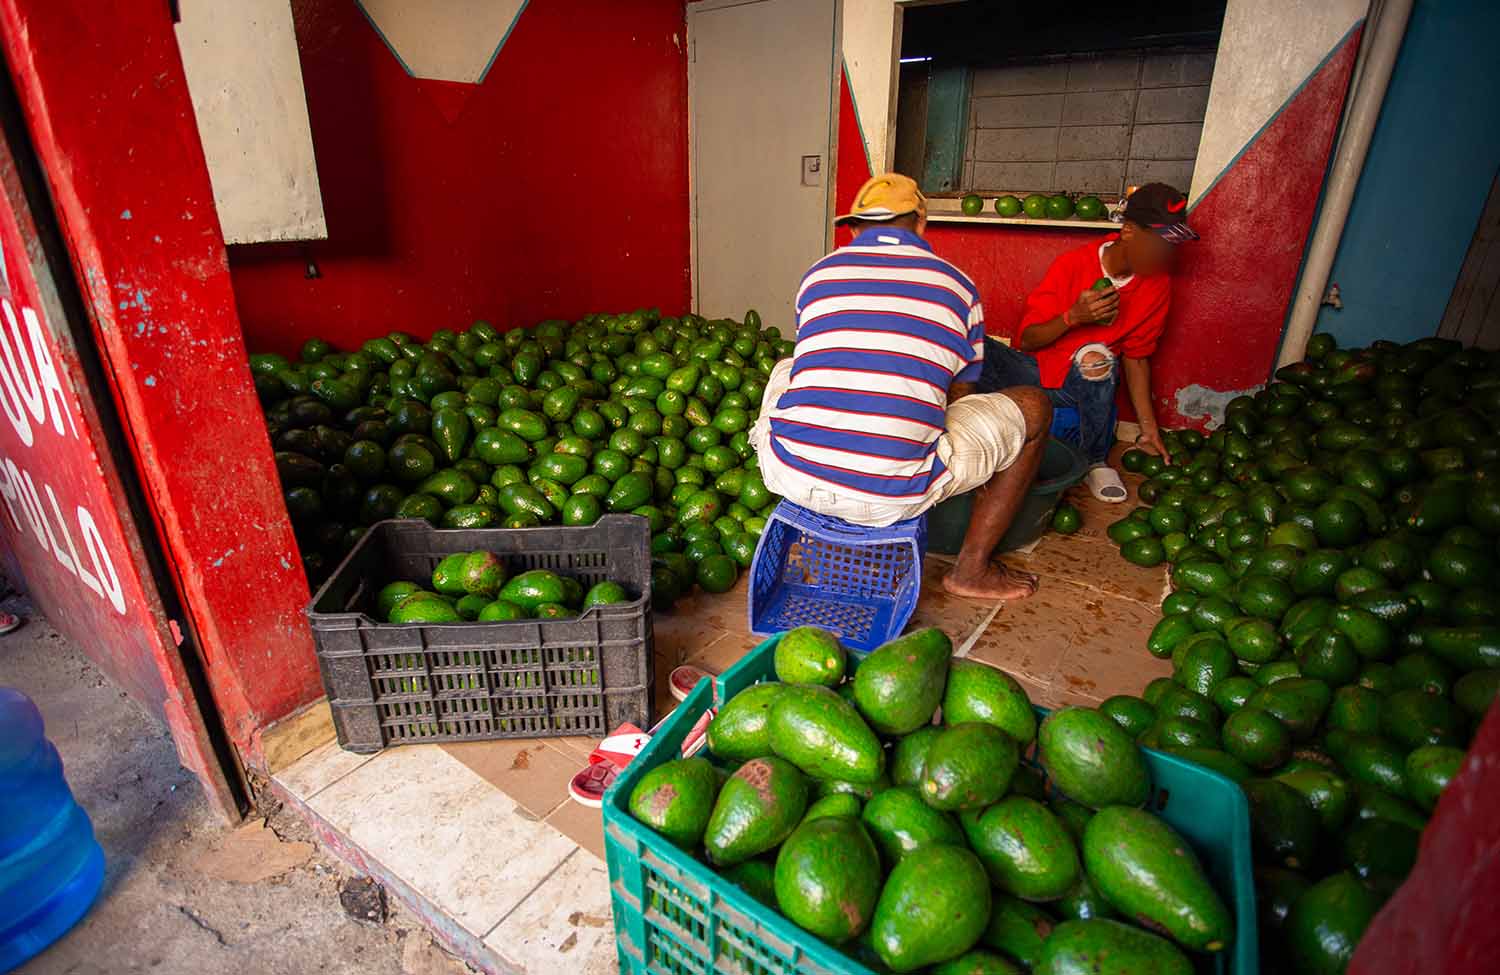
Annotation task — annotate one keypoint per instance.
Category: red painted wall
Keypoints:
(113, 126)
(559, 188)
(1231, 290)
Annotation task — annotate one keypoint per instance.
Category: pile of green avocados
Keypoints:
(469, 586)
(1333, 628)
(916, 846)
(555, 424)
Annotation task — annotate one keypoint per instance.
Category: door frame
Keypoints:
(830, 164)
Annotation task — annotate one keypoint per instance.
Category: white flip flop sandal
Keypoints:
(1104, 484)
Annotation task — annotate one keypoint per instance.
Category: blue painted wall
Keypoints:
(1431, 164)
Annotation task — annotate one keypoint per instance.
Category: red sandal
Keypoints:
(617, 750)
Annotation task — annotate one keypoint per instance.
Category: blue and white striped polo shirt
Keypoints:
(884, 327)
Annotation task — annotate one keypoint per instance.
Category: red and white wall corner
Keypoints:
(1279, 84)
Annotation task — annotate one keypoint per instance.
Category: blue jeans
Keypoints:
(1093, 399)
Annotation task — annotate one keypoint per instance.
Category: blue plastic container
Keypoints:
(675, 916)
(51, 867)
(856, 582)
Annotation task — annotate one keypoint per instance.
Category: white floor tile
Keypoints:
(453, 837)
(318, 769)
(562, 926)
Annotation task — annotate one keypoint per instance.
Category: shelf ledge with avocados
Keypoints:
(556, 424)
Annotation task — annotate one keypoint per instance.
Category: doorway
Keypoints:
(761, 90)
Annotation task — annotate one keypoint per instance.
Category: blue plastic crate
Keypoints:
(674, 915)
(856, 582)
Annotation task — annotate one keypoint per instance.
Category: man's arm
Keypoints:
(1091, 306)
(957, 391)
(1138, 385)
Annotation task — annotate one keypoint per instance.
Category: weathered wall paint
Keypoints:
(114, 131)
(1268, 48)
(70, 538)
(555, 188)
(240, 57)
(1431, 163)
(1232, 287)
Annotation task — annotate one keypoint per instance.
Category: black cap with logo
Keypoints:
(1162, 210)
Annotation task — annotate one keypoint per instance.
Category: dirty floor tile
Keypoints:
(456, 839)
(560, 925)
(581, 824)
(1028, 637)
(528, 770)
(318, 769)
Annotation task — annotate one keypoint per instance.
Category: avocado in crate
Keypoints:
(1004, 835)
(523, 633)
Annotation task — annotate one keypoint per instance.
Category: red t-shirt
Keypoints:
(1133, 333)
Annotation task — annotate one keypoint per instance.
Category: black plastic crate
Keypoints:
(393, 684)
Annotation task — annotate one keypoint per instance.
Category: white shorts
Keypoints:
(984, 435)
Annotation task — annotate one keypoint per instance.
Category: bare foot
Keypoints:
(995, 582)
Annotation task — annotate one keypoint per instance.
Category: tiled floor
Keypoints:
(482, 841)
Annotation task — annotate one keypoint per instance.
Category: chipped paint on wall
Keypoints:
(1196, 402)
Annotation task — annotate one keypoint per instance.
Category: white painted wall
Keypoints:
(871, 45)
(240, 57)
(1267, 50)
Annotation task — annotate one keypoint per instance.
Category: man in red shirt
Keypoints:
(1071, 336)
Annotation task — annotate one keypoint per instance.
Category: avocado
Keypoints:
(834, 804)
(391, 594)
(809, 655)
(676, 798)
(1203, 664)
(1380, 853)
(1257, 738)
(1091, 760)
(828, 878)
(900, 684)
(1474, 647)
(1017, 928)
(908, 762)
(1474, 691)
(1025, 848)
(1370, 759)
(1170, 630)
(934, 907)
(448, 576)
(1412, 717)
(1355, 708)
(1327, 793)
(1214, 759)
(1325, 654)
(1326, 922)
(976, 961)
(1149, 873)
(863, 791)
(532, 588)
(822, 734)
(1084, 901)
(425, 607)
(1276, 890)
(1283, 826)
(1429, 769)
(900, 823)
(1132, 714)
(758, 807)
(978, 692)
(1103, 947)
(482, 573)
(1254, 640)
(1372, 802)
(755, 877)
(969, 766)
(1297, 702)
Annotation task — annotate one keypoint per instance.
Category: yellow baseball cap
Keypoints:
(886, 197)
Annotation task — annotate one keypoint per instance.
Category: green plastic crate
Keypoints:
(676, 916)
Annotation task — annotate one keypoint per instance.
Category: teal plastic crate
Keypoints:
(676, 916)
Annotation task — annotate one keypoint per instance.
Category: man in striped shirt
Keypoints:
(874, 419)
